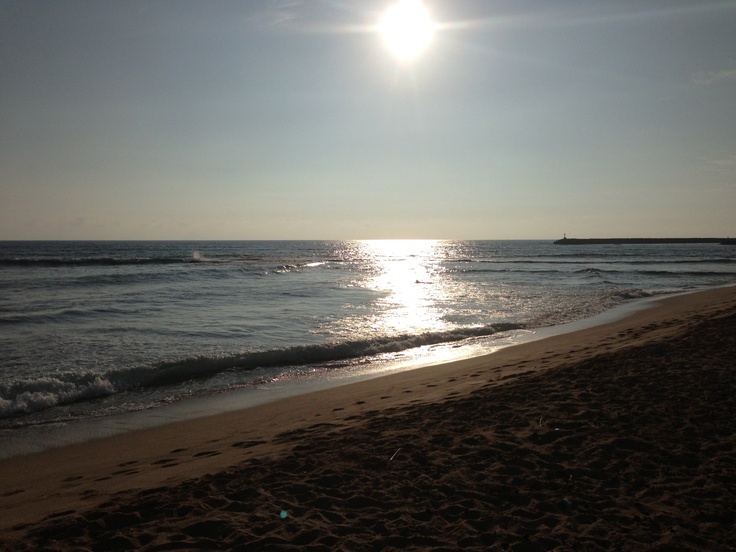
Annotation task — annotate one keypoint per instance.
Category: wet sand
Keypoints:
(619, 436)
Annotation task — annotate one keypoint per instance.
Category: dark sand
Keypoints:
(618, 437)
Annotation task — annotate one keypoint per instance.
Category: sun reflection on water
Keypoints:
(409, 275)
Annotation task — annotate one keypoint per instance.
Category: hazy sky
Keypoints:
(177, 119)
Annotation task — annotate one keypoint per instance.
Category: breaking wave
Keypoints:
(33, 394)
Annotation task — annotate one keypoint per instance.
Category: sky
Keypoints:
(288, 119)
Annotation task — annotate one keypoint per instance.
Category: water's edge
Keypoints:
(42, 437)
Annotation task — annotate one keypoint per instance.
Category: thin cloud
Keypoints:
(277, 13)
(284, 11)
(722, 164)
(716, 77)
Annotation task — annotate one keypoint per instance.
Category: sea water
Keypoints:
(91, 330)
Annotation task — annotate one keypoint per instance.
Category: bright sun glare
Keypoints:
(407, 29)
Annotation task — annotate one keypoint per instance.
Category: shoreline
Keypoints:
(45, 437)
(56, 488)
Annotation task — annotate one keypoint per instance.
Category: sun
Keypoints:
(406, 28)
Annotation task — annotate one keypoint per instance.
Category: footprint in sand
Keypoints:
(166, 462)
(207, 453)
(247, 444)
(72, 478)
(125, 472)
(60, 514)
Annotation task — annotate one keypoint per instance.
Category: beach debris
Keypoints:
(394, 454)
(284, 514)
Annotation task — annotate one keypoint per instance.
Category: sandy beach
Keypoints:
(615, 437)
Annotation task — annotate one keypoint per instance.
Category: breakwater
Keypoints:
(637, 241)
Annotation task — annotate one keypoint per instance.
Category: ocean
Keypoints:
(93, 330)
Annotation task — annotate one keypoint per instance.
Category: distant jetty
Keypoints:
(637, 241)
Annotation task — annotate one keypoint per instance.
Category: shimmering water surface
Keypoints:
(90, 329)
